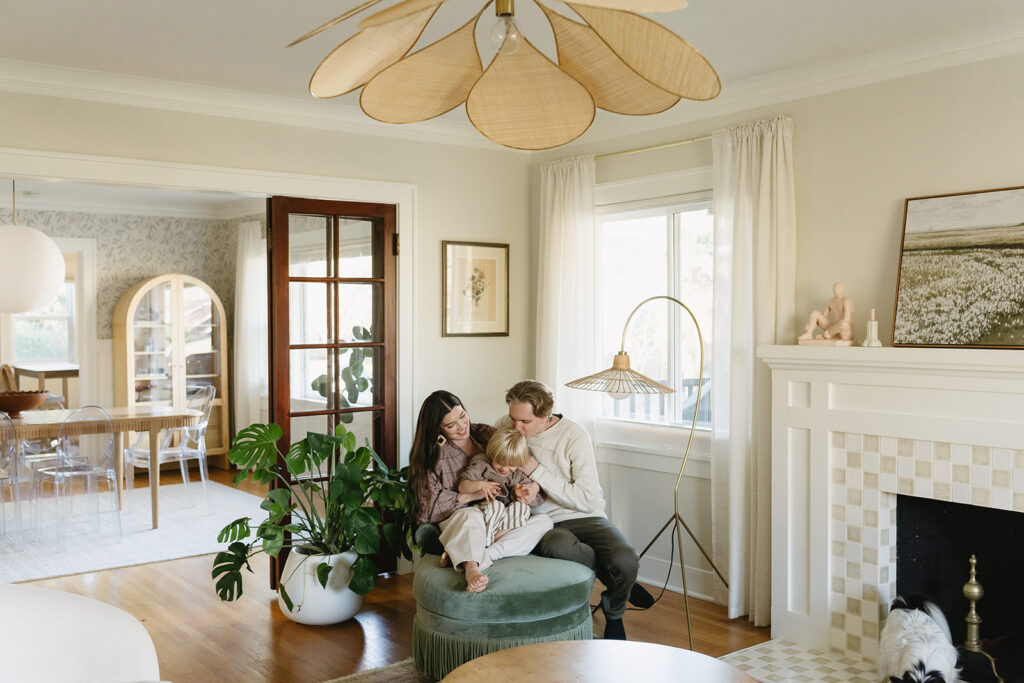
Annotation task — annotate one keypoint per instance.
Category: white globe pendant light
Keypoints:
(31, 268)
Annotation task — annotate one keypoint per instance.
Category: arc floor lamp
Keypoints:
(620, 381)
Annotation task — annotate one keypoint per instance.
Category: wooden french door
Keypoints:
(333, 322)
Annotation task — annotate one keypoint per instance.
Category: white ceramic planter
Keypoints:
(314, 604)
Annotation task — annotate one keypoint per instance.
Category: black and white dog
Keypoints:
(915, 645)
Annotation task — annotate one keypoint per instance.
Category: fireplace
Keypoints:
(934, 542)
(853, 430)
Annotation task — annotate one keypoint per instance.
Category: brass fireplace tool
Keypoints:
(974, 591)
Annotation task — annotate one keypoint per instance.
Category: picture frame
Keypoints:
(474, 289)
(960, 281)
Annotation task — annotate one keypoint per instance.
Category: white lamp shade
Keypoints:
(31, 269)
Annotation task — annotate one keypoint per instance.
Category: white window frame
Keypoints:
(650, 444)
(72, 326)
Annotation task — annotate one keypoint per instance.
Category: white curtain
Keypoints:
(566, 329)
(755, 260)
(250, 347)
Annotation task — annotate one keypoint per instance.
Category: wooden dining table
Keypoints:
(45, 424)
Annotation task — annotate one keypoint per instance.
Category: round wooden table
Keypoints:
(597, 661)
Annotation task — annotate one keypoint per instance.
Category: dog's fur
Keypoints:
(915, 645)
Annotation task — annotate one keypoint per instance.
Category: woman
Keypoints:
(444, 443)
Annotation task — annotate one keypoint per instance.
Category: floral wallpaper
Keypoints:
(135, 248)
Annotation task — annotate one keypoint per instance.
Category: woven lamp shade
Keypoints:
(427, 83)
(654, 52)
(399, 11)
(615, 87)
(639, 5)
(367, 53)
(524, 101)
(620, 379)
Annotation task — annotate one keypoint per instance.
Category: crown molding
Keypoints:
(180, 205)
(769, 89)
(134, 91)
(819, 79)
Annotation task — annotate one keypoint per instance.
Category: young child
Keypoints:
(497, 474)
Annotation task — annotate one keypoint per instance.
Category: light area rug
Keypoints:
(188, 527)
(400, 672)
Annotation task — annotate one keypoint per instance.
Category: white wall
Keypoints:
(460, 194)
(858, 154)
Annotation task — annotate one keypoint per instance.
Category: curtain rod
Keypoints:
(652, 147)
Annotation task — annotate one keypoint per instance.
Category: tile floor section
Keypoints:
(780, 662)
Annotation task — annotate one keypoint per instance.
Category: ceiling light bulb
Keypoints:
(506, 36)
(618, 395)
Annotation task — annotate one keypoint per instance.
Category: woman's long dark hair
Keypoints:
(425, 448)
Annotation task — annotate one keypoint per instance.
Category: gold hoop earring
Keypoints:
(441, 440)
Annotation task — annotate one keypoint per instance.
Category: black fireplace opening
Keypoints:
(934, 543)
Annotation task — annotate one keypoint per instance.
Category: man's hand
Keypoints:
(527, 493)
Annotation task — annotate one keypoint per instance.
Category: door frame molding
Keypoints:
(160, 174)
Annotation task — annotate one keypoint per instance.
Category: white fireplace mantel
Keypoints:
(851, 428)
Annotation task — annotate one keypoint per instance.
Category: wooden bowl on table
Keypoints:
(13, 402)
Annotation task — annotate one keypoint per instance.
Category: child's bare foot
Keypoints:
(476, 582)
(444, 560)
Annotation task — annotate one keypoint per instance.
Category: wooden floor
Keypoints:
(200, 638)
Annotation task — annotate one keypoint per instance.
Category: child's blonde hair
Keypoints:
(508, 448)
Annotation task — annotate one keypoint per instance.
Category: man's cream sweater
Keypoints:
(567, 472)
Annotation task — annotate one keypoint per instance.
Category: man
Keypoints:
(562, 463)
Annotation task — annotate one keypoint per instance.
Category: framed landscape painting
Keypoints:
(474, 289)
(961, 275)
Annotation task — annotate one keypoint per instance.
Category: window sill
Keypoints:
(653, 447)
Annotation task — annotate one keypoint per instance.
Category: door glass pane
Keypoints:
(357, 239)
(308, 245)
(358, 313)
(364, 426)
(310, 388)
(309, 423)
(358, 379)
(310, 316)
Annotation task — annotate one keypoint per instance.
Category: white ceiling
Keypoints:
(230, 54)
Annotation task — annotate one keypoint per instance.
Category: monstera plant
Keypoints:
(334, 498)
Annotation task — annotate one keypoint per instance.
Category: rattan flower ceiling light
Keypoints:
(614, 59)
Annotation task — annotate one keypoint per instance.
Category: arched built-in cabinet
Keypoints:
(169, 332)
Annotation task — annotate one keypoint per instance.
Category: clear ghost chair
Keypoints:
(36, 453)
(179, 444)
(85, 457)
(9, 477)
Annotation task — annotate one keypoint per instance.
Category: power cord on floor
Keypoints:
(664, 587)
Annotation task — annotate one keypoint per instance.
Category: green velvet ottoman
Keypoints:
(528, 599)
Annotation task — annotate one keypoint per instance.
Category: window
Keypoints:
(47, 334)
(660, 247)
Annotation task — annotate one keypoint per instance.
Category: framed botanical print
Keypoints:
(961, 274)
(474, 300)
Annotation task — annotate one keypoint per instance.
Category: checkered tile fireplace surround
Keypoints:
(851, 429)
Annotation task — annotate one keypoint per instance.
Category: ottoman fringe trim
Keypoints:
(437, 654)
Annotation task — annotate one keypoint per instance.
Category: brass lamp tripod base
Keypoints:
(620, 381)
(677, 521)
